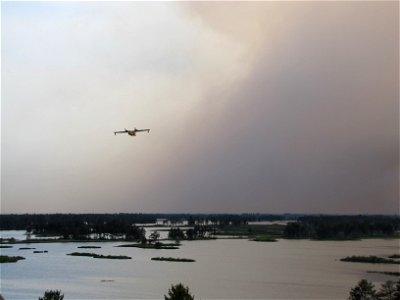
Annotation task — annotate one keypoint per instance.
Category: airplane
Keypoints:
(131, 132)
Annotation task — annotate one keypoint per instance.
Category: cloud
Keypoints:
(313, 127)
(254, 107)
(75, 72)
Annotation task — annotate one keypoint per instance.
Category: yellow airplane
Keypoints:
(131, 132)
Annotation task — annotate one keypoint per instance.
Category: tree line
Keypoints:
(84, 230)
(342, 227)
(108, 226)
(24, 221)
(365, 290)
(194, 233)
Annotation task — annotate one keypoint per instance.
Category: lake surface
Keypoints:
(224, 269)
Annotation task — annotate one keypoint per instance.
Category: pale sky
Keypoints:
(266, 107)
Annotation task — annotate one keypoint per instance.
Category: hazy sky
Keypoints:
(253, 107)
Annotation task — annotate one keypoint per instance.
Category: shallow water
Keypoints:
(229, 269)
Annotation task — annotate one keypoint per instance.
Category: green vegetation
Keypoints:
(157, 245)
(94, 255)
(62, 240)
(178, 292)
(82, 254)
(197, 232)
(52, 223)
(89, 247)
(173, 259)
(389, 291)
(52, 295)
(200, 232)
(370, 259)
(10, 259)
(121, 227)
(154, 236)
(77, 227)
(175, 233)
(273, 231)
(365, 290)
(113, 256)
(386, 273)
(5, 246)
(343, 227)
(263, 238)
(80, 227)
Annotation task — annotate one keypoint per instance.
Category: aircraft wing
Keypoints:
(115, 132)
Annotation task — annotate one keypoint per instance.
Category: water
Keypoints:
(17, 234)
(229, 269)
(22, 235)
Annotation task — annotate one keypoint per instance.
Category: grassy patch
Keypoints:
(370, 259)
(271, 230)
(349, 238)
(386, 273)
(173, 259)
(152, 246)
(113, 256)
(94, 255)
(264, 238)
(61, 240)
(10, 259)
(82, 254)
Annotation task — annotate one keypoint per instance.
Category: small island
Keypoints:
(386, 273)
(370, 259)
(10, 259)
(157, 245)
(89, 247)
(173, 259)
(94, 255)
(5, 246)
(263, 239)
